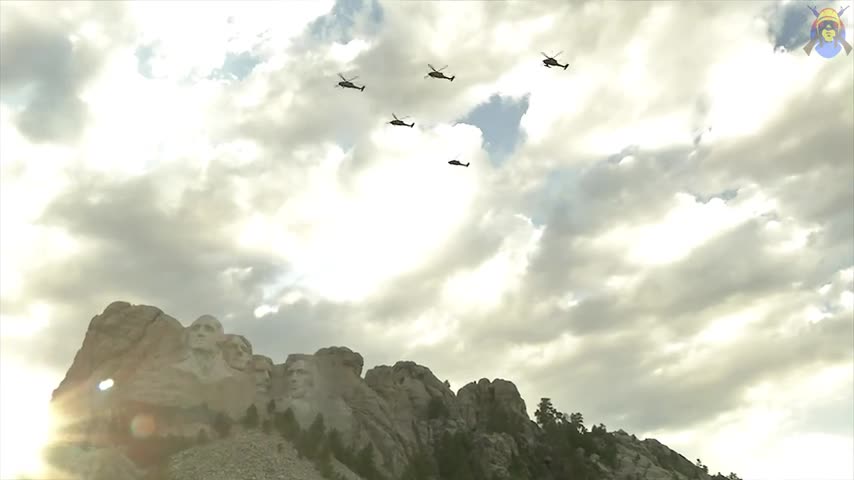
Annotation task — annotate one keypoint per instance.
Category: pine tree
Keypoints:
(365, 462)
(546, 413)
(222, 425)
(250, 420)
(287, 425)
(271, 407)
(323, 462)
(310, 442)
(577, 421)
(338, 449)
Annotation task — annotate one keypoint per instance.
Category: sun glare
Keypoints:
(26, 419)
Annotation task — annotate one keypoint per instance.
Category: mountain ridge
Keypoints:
(191, 384)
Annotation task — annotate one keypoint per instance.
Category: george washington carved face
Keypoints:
(204, 334)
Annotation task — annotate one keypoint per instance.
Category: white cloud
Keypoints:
(218, 28)
(391, 219)
(757, 441)
(689, 224)
(264, 310)
(482, 288)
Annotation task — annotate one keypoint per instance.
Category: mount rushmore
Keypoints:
(171, 381)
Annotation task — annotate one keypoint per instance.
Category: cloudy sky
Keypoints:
(660, 237)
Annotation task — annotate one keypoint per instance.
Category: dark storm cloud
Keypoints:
(38, 57)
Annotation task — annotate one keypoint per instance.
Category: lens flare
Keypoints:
(142, 426)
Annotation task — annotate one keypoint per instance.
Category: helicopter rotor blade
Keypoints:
(558, 53)
(545, 55)
(395, 116)
(342, 77)
(432, 67)
(442, 68)
(353, 78)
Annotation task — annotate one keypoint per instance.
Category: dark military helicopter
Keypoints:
(400, 122)
(344, 83)
(457, 162)
(551, 62)
(438, 73)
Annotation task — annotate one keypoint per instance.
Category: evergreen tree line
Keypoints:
(564, 449)
(454, 455)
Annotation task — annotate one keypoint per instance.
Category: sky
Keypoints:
(660, 236)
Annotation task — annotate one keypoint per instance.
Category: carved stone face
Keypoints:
(205, 333)
(237, 351)
(262, 366)
(300, 375)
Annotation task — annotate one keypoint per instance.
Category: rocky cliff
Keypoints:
(190, 384)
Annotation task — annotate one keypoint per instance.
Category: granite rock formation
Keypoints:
(174, 380)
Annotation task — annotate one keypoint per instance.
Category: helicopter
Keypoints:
(400, 122)
(349, 83)
(457, 162)
(550, 62)
(438, 73)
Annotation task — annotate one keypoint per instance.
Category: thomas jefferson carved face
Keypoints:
(237, 351)
(204, 334)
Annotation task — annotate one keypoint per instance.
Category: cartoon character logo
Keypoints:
(827, 33)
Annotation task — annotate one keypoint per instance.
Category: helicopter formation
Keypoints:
(549, 62)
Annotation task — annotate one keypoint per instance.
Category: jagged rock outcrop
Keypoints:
(492, 409)
(420, 405)
(154, 363)
(184, 381)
